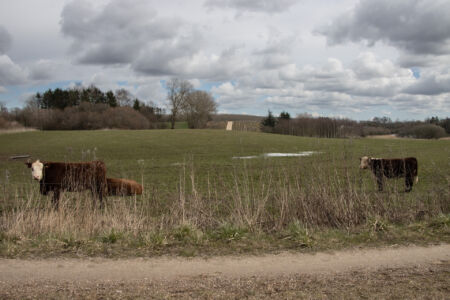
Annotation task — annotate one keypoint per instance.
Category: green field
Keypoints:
(195, 190)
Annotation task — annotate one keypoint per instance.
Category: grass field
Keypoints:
(197, 196)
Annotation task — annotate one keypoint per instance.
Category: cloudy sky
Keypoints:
(342, 58)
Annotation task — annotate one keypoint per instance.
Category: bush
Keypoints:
(375, 130)
(125, 118)
(4, 124)
(425, 131)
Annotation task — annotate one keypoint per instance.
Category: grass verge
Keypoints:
(187, 240)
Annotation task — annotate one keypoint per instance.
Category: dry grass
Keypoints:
(281, 200)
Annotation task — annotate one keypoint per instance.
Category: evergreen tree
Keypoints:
(137, 104)
(270, 121)
(284, 115)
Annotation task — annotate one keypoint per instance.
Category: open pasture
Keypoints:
(198, 181)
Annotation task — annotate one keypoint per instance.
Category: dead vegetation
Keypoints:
(279, 204)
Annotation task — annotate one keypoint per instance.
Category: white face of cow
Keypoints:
(37, 170)
(364, 162)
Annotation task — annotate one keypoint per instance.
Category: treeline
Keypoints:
(307, 125)
(85, 108)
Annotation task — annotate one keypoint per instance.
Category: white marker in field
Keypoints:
(230, 125)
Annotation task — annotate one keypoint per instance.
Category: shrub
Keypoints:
(425, 131)
(375, 130)
(4, 124)
(125, 118)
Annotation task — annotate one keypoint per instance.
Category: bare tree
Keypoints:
(177, 93)
(199, 107)
(123, 97)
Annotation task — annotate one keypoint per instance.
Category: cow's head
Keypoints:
(364, 162)
(37, 169)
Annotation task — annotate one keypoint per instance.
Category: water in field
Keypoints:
(299, 154)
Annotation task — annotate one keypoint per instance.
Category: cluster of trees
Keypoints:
(307, 125)
(86, 108)
(90, 108)
(197, 107)
(60, 99)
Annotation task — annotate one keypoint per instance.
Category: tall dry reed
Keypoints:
(270, 200)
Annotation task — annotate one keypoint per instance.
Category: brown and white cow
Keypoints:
(391, 168)
(61, 176)
(123, 187)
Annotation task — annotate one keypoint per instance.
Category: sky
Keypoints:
(338, 58)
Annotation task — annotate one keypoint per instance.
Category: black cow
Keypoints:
(72, 177)
(391, 168)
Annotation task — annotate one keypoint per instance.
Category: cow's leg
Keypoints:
(380, 182)
(43, 189)
(100, 198)
(94, 198)
(100, 193)
(55, 199)
(97, 192)
(409, 182)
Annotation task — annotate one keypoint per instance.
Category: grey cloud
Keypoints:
(149, 44)
(427, 61)
(421, 103)
(265, 6)
(108, 53)
(116, 33)
(42, 70)
(417, 27)
(276, 53)
(430, 85)
(5, 40)
(168, 57)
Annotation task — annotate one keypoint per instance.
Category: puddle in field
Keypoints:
(299, 154)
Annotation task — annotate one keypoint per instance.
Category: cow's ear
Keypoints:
(46, 165)
(28, 164)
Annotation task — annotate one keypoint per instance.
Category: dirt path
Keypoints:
(73, 276)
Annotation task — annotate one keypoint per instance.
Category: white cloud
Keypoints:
(10, 73)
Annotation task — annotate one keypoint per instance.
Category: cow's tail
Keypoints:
(416, 177)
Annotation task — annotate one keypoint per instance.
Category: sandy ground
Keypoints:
(295, 275)
(383, 136)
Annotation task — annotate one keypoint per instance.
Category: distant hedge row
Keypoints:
(88, 116)
(306, 125)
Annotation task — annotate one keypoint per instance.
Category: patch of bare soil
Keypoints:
(404, 272)
(384, 136)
